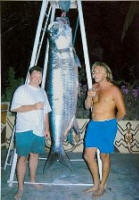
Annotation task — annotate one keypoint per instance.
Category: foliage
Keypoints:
(11, 84)
(132, 11)
(81, 111)
(131, 98)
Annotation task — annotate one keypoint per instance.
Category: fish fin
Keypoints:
(76, 128)
(57, 156)
(70, 137)
(52, 158)
(64, 160)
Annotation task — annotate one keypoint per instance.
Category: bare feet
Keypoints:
(99, 192)
(18, 195)
(37, 186)
(92, 189)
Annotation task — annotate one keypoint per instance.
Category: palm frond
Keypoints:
(134, 7)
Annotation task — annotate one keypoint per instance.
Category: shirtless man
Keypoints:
(107, 105)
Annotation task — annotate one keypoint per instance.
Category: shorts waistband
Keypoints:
(107, 120)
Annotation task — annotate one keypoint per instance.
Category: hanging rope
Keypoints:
(64, 5)
(75, 31)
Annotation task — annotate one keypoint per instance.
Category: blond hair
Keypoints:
(106, 67)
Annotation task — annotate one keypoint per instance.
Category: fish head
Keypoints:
(53, 28)
(63, 20)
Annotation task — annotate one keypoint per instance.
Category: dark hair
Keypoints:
(35, 68)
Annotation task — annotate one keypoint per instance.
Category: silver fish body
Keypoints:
(62, 84)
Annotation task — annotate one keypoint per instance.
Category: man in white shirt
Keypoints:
(32, 125)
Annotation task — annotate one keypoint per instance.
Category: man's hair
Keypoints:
(106, 67)
(35, 68)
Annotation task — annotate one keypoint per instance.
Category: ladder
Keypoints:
(47, 14)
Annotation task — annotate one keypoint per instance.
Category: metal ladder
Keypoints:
(51, 6)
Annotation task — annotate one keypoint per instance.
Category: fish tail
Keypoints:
(55, 156)
(64, 160)
(77, 129)
(52, 158)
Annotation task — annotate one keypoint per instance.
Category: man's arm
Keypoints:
(89, 100)
(120, 105)
(47, 130)
(26, 108)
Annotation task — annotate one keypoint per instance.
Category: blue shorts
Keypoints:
(101, 134)
(27, 142)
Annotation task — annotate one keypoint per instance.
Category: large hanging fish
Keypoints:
(62, 86)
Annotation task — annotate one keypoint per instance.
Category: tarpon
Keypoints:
(62, 86)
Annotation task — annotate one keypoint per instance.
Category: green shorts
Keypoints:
(27, 142)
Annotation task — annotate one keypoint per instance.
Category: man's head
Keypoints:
(35, 76)
(35, 68)
(101, 70)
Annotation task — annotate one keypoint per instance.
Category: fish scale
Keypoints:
(62, 87)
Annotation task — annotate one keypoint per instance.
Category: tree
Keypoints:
(11, 84)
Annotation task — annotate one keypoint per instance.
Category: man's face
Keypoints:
(35, 78)
(99, 74)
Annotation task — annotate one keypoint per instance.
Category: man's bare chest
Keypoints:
(104, 96)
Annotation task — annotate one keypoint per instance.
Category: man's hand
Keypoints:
(39, 105)
(26, 108)
(91, 93)
(47, 133)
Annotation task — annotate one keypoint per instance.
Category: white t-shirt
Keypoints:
(30, 120)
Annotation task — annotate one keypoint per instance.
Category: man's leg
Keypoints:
(21, 171)
(105, 173)
(105, 168)
(33, 163)
(90, 157)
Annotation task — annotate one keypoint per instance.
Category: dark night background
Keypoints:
(104, 23)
